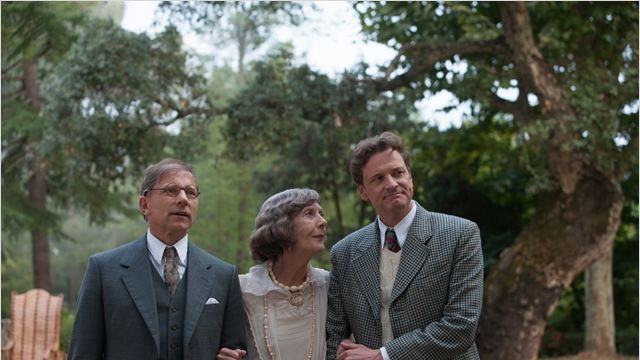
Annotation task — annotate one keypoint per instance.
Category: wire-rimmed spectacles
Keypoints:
(192, 192)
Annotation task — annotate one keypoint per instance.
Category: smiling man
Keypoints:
(408, 285)
(159, 297)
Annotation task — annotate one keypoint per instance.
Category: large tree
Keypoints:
(83, 110)
(574, 68)
(32, 34)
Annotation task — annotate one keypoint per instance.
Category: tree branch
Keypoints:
(12, 95)
(8, 68)
(424, 56)
(566, 162)
(520, 113)
(13, 153)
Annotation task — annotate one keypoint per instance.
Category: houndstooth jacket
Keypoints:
(436, 297)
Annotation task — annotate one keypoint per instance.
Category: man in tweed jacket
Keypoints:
(431, 307)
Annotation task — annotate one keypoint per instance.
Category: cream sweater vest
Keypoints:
(389, 262)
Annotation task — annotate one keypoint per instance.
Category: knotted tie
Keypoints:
(391, 240)
(171, 274)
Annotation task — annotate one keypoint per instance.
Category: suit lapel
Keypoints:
(415, 252)
(199, 283)
(366, 264)
(136, 277)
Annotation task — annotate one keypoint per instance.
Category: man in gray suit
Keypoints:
(159, 297)
(409, 285)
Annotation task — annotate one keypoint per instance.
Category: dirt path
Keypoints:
(593, 356)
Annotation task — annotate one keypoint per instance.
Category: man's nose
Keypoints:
(182, 195)
(390, 181)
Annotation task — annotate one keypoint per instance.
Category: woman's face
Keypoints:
(309, 230)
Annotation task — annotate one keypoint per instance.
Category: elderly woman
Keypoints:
(285, 298)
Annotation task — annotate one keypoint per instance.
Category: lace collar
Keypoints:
(258, 282)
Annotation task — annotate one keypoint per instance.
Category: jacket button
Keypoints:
(174, 327)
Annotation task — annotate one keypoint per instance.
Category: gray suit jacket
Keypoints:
(436, 298)
(116, 315)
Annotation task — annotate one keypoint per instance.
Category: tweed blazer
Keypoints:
(116, 316)
(436, 298)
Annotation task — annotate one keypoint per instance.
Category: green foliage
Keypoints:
(228, 204)
(39, 33)
(31, 30)
(66, 328)
(309, 123)
(243, 25)
(115, 102)
(625, 269)
(601, 79)
(251, 22)
(17, 272)
(474, 172)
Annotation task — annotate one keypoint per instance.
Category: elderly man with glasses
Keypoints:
(159, 297)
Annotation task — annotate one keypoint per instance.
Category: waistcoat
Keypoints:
(170, 317)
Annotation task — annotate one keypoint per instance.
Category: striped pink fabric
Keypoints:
(35, 324)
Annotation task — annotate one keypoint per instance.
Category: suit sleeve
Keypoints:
(337, 326)
(455, 331)
(87, 337)
(233, 332)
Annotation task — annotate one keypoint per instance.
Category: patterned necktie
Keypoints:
(391, 240)
(171, 274)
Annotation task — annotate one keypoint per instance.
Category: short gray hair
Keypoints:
(155, 171)
(273, 229)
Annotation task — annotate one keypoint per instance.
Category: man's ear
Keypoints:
(363, 195)
(143, 204)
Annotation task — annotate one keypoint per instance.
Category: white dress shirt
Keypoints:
(401, 229)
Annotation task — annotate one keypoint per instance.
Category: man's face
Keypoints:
(387, 184)
(169, 217)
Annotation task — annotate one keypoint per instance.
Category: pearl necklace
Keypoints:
(295, 296)
(313, 323)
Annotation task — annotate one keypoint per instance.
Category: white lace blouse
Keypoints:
(289, 328)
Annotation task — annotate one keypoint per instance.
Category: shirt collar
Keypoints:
(402, 228)
(156, 247)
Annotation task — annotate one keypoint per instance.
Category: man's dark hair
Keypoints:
(373, 145)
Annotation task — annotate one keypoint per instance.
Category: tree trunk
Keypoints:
(40, 244)
(244, 186)
(336, 200)
(37, 187)
(242, 51)
(600, 324)
(573, 226)
(568, 232)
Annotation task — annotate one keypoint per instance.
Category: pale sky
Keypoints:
(329, 41)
